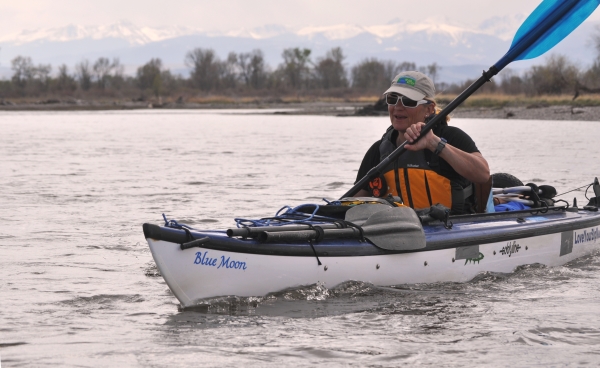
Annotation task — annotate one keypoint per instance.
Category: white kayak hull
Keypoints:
(199, 273)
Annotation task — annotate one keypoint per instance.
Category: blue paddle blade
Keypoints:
(558, 31)
(550, 23)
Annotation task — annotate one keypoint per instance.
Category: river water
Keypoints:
(79, 286)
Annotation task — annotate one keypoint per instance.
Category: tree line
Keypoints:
(247, 73)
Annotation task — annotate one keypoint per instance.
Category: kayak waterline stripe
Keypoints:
(559, 18)
(350, 248)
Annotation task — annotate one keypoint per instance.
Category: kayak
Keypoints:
(374, 243)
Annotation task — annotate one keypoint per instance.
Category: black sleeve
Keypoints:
(370, 160)
(459, 139)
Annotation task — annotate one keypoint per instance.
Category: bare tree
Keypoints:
(590, 79)
(557, 76)
(205, 68)
(149, 76)
(103, 69)
(253, 69)
(511, 83)
(23, 70)
(42, 74)
(64, 81)
(432, 71)
(371, 75)
(228, 71)
(391, 69)
(28, 76)
(404, 66)
(295, 67)
(330, 71)
(84, 74)
(118, 69)
(595, 38)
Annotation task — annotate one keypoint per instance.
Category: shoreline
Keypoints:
(556, 112)
(532, 112)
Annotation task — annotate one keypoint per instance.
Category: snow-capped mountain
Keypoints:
(121, 30)
(501, 27)
(431, 40)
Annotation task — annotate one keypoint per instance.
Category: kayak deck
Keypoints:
(466, 230)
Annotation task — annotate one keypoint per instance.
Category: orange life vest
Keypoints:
(416, 181)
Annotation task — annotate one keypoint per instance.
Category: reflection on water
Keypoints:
(80, 287)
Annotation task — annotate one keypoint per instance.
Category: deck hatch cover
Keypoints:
(566, 242)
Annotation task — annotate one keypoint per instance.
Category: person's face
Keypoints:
(402, 117)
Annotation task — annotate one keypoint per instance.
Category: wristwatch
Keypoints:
(441, 145)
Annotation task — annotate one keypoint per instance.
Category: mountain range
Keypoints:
(461, 52)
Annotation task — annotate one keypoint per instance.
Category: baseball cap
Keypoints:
(412, 84)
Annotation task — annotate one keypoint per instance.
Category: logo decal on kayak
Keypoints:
(477, 259)
(205, 260)
(587, 236)
(510, 248)
(468, 252)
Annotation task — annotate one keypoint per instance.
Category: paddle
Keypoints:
(546, 26)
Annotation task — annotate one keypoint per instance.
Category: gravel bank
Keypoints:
(590, 113)
(558, 112)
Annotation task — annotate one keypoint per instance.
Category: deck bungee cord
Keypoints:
(289, 217)
(175, 225)
(596, 188)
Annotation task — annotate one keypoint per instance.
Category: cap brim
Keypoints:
(408, 92)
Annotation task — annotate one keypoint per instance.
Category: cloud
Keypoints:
(237, 15)
(226, 15)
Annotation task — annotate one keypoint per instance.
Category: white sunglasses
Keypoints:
(392, 100)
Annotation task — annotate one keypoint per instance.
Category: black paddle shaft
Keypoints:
(376, 171)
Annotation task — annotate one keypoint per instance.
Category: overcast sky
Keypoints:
(225, 15)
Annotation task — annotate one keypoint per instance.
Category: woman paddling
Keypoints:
(438, 168)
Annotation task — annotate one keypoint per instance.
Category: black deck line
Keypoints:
(541, 211)
(498, 235)
(351, 248)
